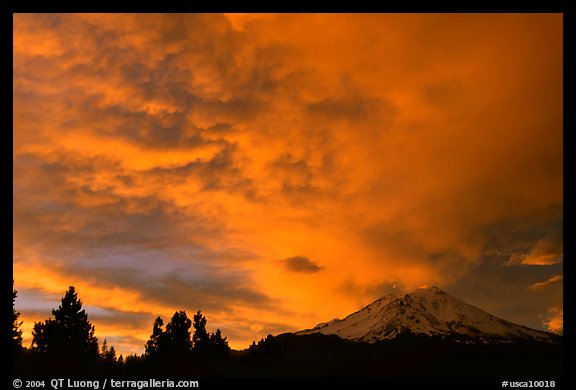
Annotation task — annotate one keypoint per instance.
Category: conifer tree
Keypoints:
(156, 338)
(219, 344)
(69, 334)
(16, 331)
(201, 337)
(178, 334)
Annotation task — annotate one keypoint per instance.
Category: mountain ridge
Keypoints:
(427, 311)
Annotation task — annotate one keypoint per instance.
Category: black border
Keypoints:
(569, 195)
(179, 6)
(566, 7)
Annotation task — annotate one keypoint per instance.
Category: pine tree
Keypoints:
(156, 339)
(218, 344)
(201, 338)
(173, 342)
(208, 344)
(178, 334)
(69, 334)
(16, 331)
(40, 335)
(108, 354)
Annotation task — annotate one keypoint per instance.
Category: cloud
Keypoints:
(553, 280)
(546, 251)
(240, 20)
(555, 322)
(171, 160)
(301, 264)
(351, 108)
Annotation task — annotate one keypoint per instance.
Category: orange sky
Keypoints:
(277, 171)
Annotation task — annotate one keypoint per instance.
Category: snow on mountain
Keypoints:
(426, 311)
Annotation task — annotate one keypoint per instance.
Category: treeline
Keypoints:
(65, 346)
(65, 343)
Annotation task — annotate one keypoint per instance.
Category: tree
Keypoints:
(69, 334)
(16, 331)
(108, 354)
(218, 344)
(40, 335)
(178, 334)
(156, 339)
(201, 338)
(205, 343)
(174, 341)
(132, 361)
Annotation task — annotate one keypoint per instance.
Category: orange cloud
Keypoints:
(240, 20)
(553, 280)
(546, 251)
(555, 323)
(169, 162)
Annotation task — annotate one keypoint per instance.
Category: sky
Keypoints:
(277, 171)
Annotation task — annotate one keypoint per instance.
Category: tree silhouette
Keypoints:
(69, 334)
(178, 334)
(132, 361)
(16, 331)
(174, 342)
(201, 338)
(108, 354)
(156, 339)
(218, 344)
(207, 344)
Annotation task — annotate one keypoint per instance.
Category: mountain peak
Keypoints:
(428, 288)
(427, 311)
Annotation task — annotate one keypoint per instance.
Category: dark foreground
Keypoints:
(318, 355)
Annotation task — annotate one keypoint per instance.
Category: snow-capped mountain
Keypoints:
(427, 311)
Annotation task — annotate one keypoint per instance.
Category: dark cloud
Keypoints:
(302, 264)
(101, 216)
(148, 103)
(294, 174)
(118, 318)
(547, 250)
(194, 286)
(506, 292)
(355, 109)
(106, 317)
(213, 292)
(535, 239)
(221, 172)
(97, 235)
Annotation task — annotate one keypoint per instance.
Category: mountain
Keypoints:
(427, 311)
(425, 333)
